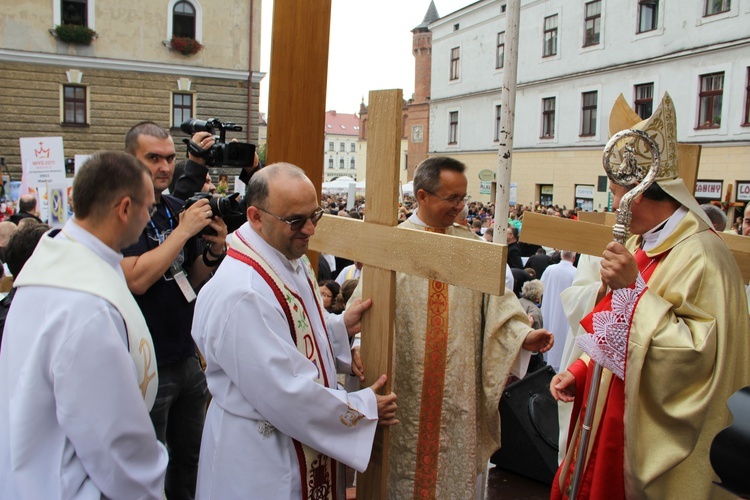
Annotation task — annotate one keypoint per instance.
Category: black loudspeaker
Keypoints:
(529, 426)
(730, 450)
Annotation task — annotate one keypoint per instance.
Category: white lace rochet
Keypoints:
(608, 345)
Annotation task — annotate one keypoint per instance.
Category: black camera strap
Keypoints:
(194, 149)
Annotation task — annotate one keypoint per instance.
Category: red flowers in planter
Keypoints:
(185, 45)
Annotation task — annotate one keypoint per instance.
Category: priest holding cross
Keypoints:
(454, 350)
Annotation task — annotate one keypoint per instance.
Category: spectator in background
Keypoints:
(333, 302)
(476, 227)
(7, 228)
(352, 271)
(531, 299)
(162, 270)
(556, 279)
(489, 234)
(17, 251)
(716, 216)
(26, 209)
(514, 249)
(539, 262)
(347, 289)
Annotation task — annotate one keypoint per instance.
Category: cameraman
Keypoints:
(161, 270)
(194, 177)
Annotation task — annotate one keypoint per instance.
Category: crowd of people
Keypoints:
(152, 347)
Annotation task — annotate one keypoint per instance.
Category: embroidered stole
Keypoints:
(433, 387)
(70, 265)
(317, 471)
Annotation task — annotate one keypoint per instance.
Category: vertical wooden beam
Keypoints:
(383, 157)
(297, 93)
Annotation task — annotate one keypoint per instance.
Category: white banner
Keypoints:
(43, 160)
(743, 191)
(43, 163)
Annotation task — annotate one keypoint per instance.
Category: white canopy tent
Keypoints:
(339, 185)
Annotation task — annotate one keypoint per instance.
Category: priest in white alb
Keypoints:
(277, 425)
(77, 368)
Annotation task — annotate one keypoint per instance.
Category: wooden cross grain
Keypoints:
(297, 92)
(592, 237)
(385, 249)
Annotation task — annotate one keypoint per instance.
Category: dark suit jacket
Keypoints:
(514, 256)
(16, 218)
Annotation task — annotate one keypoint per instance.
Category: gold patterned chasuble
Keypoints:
(454, 349)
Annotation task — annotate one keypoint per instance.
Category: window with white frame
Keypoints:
(500, 53)
(648, 15)
(342, 147)
(184, 19)
(341, 164)
(644, 100)
(588, 113)
(353, 147)
(453, 127)
(550, 36)
(455, 57)
(717, 7)
(592, 23)
(182, 107)
(548, 117)
(330, 163)
(74, 105)
(710, 96)
(330, 146)
(352, 165)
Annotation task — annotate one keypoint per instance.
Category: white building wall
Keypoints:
(684, 46)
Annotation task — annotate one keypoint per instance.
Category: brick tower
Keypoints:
(417, 112)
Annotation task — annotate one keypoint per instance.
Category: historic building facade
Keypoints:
(137, 61)
(342, 156)
(574, 59)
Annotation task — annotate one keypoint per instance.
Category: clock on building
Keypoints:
(416, 133)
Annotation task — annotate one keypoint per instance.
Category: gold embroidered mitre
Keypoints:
(661, 126)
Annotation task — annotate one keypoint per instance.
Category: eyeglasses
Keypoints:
(453, 200)
(298, 223)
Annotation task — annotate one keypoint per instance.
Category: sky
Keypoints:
(356, 66)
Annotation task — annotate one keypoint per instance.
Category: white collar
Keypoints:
(654, 237)
(73, 232)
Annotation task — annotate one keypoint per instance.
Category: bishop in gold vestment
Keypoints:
(677, 349)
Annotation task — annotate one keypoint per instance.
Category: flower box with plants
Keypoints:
(74, 33)
(185, 45)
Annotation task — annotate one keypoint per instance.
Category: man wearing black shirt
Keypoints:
(514, 249)
(162, 270)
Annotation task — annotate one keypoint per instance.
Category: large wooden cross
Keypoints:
(296, 120)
